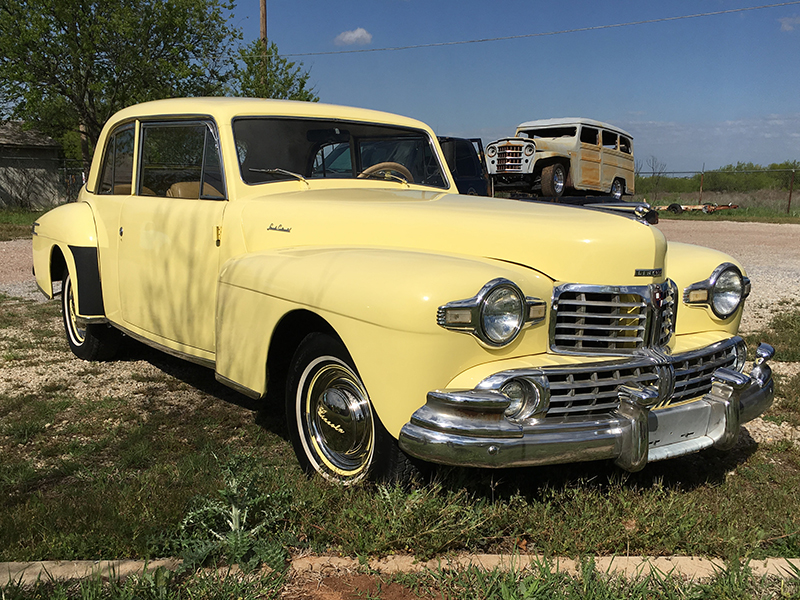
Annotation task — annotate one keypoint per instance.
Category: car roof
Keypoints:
(227, 108)
(571, 121)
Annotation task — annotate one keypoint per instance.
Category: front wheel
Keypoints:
(89, 342)
(332, 425)
(554, 180)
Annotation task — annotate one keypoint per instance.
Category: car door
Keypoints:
(169, 236)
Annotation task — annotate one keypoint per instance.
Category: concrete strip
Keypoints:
(28, 573)
(690, 568)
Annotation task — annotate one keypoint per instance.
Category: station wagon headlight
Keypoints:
(529, 149)
(491, 151)
(723, 292)
(495, 315)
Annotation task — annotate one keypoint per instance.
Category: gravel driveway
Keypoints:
(769, 252)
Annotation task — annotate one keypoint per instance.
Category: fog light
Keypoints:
(526, 399)
(740, 352)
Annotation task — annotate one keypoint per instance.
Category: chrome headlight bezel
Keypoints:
(491, 150)
(708, 292)
(529, 149)
(472, 315)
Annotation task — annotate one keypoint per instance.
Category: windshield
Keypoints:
(275, 149)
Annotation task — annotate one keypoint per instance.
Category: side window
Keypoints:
(117, 171)
(625, 145)
(589, 135)
(466, 165)
(610, 140)
(180, 160)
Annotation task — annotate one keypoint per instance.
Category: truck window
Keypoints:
(589, 135)
(610, 140)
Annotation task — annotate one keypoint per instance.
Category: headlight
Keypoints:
(727, 293)
(529, 149)
(502, 314)
(491, 150)
(724, 291)
(495, 315)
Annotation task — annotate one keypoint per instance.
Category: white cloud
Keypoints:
(789, 23)
(358, 36)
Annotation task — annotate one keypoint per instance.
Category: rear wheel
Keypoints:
(617, 190)
(89, 342)
(333, 427)
(554, 180)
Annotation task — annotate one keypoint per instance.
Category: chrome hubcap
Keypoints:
(558, 181)
(338, 418)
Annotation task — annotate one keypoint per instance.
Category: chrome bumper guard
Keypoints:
(469, 428)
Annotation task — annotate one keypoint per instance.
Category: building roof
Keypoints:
(13, 134)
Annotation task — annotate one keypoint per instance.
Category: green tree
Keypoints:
(268, 75)
(68, 65)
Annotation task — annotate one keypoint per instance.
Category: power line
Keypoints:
(548, 33)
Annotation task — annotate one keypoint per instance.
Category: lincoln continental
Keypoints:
(319, 259)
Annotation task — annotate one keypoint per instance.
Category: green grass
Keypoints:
(15, 224)
(90, 471)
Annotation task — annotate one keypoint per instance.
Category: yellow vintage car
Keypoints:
(319, 258)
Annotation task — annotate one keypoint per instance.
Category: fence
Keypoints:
(749, 188)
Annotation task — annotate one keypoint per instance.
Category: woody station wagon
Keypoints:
(553, 157)
(319, 258)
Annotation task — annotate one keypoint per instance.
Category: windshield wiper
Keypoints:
(283, 172)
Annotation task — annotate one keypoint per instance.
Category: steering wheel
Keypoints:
(387, 166)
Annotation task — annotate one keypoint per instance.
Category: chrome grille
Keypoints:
(593, 389)
(509, 158)
(619, 320)
(693, 375)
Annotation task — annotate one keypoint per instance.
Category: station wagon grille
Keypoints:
(593, 389)
(509, 158)
(619, 320)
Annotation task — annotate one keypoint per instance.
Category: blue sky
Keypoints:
(710, 90)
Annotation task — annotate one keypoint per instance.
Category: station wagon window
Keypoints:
(277, 149)
(609, 140)
(589, 135)
(181, 160)
(625, 145)
(117, 171)
(549, 132)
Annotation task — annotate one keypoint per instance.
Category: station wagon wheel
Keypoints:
(89, 342)
(554, 180)
(617, 189)
(387, 166)
(333, 427)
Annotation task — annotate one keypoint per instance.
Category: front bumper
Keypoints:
(469, 428)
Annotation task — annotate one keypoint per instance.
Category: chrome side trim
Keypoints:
(238, 387)
(203, 362)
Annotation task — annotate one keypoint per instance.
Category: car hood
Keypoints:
(565, 243)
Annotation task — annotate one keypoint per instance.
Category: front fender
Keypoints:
(687, 264)
(67, 237)
(382, 302)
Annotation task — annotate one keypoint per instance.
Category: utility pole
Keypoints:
(263, 4)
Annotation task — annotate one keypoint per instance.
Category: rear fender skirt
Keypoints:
(87, 273)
